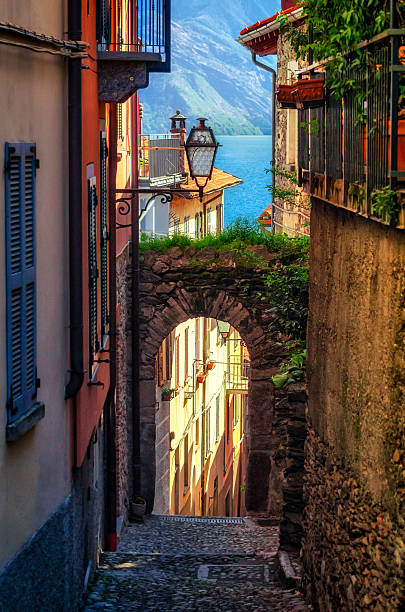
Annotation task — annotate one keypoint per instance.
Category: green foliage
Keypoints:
(357, 192)
(312, 126)
(292, 370)
(287, 285)
(384, 204)
(235, 237)
(334, 29)
(289, 193)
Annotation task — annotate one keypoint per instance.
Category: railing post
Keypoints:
(394, 48)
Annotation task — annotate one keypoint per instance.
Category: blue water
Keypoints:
(245, 157)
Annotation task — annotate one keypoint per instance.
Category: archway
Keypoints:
(181, 284)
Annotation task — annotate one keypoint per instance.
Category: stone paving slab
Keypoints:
(198, 566)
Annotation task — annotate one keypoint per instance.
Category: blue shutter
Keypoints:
(103, 235)
(20, 169)
(94, 345)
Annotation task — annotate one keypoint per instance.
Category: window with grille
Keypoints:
(217, 416)
(186, 372)
(20, 170)
(103, 235)
(94, 344)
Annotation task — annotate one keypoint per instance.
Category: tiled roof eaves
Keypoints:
(272, 19)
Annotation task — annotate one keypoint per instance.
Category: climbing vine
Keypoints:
(336, 40)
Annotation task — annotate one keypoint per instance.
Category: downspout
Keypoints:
(273, 118)
(111, 493)
(75, 209)
(136, 417)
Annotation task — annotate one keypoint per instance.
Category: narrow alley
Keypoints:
(194, 563)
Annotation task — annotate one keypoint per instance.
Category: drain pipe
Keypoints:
(75, 209)
(273, 118)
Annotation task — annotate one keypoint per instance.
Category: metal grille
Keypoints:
(353, 134)
(103, 234)
(378, 122)
(165, 159)
(93, 271)
(152, 19)
(317, 140)
(303, 139)
(334, 136)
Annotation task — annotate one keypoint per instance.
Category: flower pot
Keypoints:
(138, 510)
(200, 378)
(309, 93)
(210, 365)
(285, 96)
(166, 397)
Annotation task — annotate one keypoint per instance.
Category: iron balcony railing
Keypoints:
(161, 158)
(343, 159)
(237, 376)
(141, 27)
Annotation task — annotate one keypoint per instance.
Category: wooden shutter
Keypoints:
(104, 237)
(94, 344)
(20, 168)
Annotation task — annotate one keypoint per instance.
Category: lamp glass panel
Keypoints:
(201, 160)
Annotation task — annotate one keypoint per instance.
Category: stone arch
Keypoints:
(182, 284)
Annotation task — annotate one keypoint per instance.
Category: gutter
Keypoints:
(75, 210)
(273, 118)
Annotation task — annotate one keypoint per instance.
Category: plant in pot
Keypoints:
(166, 394)
(210, 365)
(200, 377)
(138, 509)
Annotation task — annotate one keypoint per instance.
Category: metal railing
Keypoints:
(160, 157)
(334, 144)
(143, 28)
(237, 376)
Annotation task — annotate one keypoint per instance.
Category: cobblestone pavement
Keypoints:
(193, 564)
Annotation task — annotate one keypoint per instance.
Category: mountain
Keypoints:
(212, 75)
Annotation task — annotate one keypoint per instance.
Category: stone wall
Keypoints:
(124, 381)
(354, 490)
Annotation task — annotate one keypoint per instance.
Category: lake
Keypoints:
(245, 157)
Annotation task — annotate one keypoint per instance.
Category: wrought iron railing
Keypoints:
(346, 152)
(143, 28)
(237, 376)
(161, 157)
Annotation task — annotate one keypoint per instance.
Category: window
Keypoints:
(236, 410)
(197, 340)
(186, 463)
(197, 226)
(94, 344)
(217, 416)
(219, 218)
(186, 226)
(103, 235)
(186, 372)
(119, 121)
(201, 225)
(207, 416)
(177, 358)
(209, 220)
(197, 433)
(20, 169)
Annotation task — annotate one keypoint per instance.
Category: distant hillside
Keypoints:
(212, 75)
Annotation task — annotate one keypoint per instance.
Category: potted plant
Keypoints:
(138, 509)
(210, 365)
(309, 93)
(285, 96)
(200, 377)
(166, 393)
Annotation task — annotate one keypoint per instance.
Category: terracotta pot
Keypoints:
(285, 96)
(210, 365)
(166, 397)
(200, 378)
(309, 93)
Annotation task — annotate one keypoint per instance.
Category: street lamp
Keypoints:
(201, 149)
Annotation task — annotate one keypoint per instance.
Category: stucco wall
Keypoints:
(356, 376)
(34, 471)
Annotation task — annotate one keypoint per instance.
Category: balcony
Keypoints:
(161, 160)
(237, 376)
(133, 39)
(347, 162)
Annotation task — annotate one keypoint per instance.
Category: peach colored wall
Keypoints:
(35, 470)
